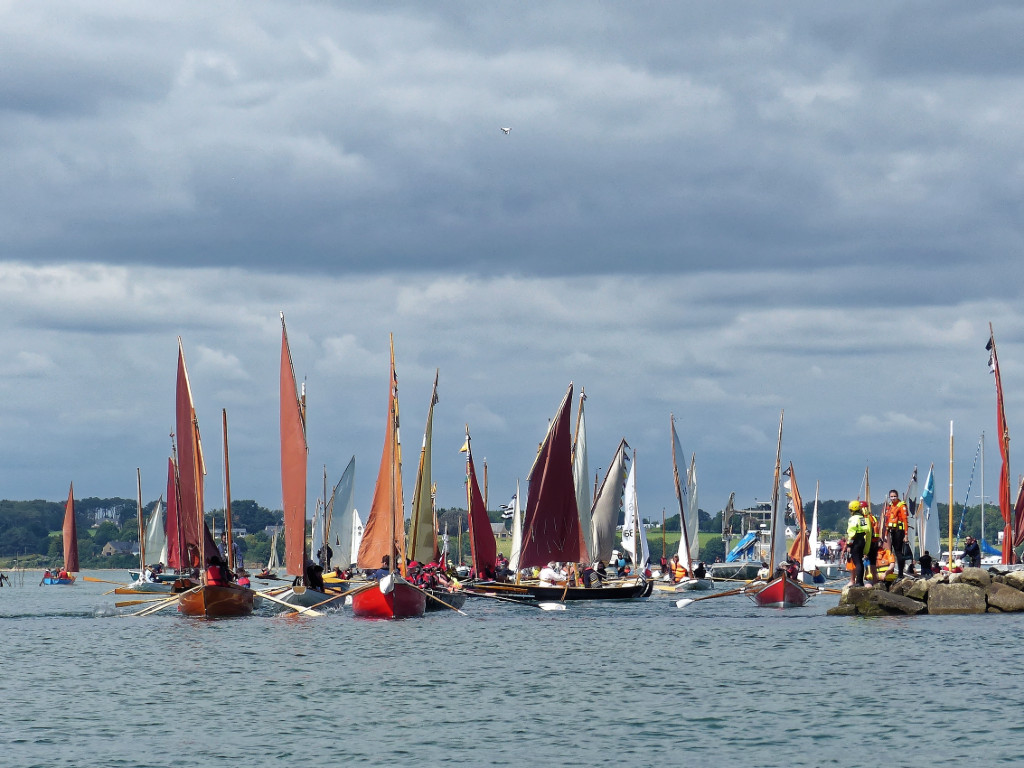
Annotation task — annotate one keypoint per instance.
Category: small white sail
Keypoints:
(812, 561)
(581, 477)
(357, 535)
(692, 513)
(517, 532)
(273, 562)
(634, 537)
(156, 536)
(317, 542)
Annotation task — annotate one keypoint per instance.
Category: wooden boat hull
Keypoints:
(404, 601)
(146, 587)
(628, 592)
(163, 578)
(741, 570)
(781, 592)
(686, 585)
(53, 582)
(215, 602)
(454, 599)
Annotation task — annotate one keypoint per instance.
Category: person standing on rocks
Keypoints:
(926, 565)
(895, 517)
(858, 539)
(874, 540)
(972, 552)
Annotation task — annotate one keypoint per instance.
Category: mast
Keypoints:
(775, 498)
(1004, 450)
(142, 528)
(949, 562)
(228, 531)
(983, 485)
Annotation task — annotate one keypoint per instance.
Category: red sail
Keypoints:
(482, 545)
(552, 529)
(70, 534)
(800, 548)
(1018, 516)
(1004, 451)
(191, 470)
(294, 455)
(172, 523)
(384, 533)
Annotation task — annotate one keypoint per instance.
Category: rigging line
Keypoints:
(963, 512)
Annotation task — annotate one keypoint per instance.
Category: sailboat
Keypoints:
(70, 535)
(383, 543)
(482, 546)
(689, 543)
(581, 479)
(780, 591)
(216, 600)
(552, 528)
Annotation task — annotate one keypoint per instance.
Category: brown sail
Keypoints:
(552, 529)
(294, 456)
(70, 534)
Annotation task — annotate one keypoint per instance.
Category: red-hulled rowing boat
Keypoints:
(392, 598)
(781, 592)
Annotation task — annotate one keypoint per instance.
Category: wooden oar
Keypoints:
(104, 581)
(126, 603)
(296, 608)
(527, 603)
(442, 602)
(687, 600)
(165, 603)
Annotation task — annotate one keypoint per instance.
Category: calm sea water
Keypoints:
(719, 683)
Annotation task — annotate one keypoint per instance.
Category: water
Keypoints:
(719, 683)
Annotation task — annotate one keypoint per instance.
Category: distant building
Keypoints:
(499, 530)
(112, 548)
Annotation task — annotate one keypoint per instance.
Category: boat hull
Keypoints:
(742, 570)
(781, 592)
(216, 601)
(629, 592)
(454, 599)
(404, 601)
(58, 582)
(686, 585)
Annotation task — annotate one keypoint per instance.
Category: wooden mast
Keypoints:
(228, 531)
(949, 562)
(142, 527)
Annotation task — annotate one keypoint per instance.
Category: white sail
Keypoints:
(156, 536)
(339, 526)
(581, 477)
(357, 536)
(607, 506)
(273, 562)
(634, 537)
(692, 513)
(927, 518)
(686, 495)
(517, 532)
(812, 561)
(317, 541)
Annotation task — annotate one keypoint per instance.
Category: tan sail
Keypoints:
(422, 534)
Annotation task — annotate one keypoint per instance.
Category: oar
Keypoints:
(687, 600)
(296, 608)
(126, 603)
(104, 581)
(442, 602)
(160, 605)
(527, 603)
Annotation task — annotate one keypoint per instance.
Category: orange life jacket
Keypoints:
(896, 516)
(213, 576)
(677, 570)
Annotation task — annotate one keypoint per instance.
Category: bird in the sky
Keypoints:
(506, 131)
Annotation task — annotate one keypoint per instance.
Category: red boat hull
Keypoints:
(403, 602)
(781, 592)
(215, 602)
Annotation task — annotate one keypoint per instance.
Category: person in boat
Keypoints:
(792, 567)
(700, 571)
(591, 577)
(895, 516)
(859, 535)
(972, 552)
(324, 555)
(47, 574)
(602, 570)
(763, 573)
(243, 578)
(217, 572)
(63, 573)
(676, 570)
(384, 570)
(552, 576)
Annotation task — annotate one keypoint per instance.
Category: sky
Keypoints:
(720, 211)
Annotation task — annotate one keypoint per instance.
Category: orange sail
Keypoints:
(552, 529)
(384, 533)
(70, 534)
(800, 548)
(294, 455)
(197, 543)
